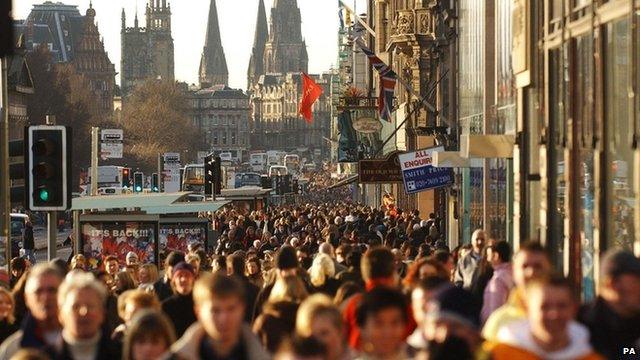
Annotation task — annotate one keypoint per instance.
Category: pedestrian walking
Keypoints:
(28, 243)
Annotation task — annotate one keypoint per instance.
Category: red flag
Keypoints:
(310, 93)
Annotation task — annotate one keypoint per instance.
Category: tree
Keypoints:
(61, 91)
(155, 121)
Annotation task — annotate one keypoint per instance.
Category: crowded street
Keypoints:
(319, 180)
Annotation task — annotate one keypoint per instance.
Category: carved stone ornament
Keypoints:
(405, 23)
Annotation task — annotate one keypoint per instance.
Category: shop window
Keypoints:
(620, 195)
(556, 164)
(584, 115)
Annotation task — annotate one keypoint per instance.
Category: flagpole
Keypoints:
(406, 118)
(410, 90)
(362, 22)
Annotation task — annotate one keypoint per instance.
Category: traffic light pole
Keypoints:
(94, 160)
(5, 201)
(52, 217)
(52, 234)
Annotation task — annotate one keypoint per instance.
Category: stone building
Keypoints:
(222, 115)
(276, 123)
(74, 39)
(213, 64)
(147, 52)
(278, 58)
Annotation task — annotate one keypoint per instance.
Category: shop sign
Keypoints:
(367, 125)
(380, 171)
(419, 174)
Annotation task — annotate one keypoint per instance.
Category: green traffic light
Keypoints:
(138, 189)
(44, 195)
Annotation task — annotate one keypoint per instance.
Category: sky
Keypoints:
(237, 26)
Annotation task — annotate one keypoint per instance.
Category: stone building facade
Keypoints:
(276, 123)
(279, 56)
(147, 52)
(222, 115)
(74, 39)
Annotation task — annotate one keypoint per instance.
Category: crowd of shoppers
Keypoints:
(332, 281)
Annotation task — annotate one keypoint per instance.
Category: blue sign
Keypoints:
(419, 175)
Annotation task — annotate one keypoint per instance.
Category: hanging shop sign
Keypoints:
(419, 174)
(380, 171)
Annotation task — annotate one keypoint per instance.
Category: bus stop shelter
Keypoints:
(150, 225)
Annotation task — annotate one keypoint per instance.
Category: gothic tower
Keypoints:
(213, 64)
(147, 53)
(256, 64)
(286, 50)
(159, 30)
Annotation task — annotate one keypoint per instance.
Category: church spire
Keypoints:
(213, 64)
(285, 51)
(256, 64)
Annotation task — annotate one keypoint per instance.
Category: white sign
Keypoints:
(111, 135)
(110, 150)
(201, 156)
(419, 174)
(171, 172)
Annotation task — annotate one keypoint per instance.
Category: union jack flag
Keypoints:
(388, 80)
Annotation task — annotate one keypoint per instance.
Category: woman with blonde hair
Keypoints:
(122, 282)
(320, 318)
(8, 323)
(278, 318)
(322, 275)
(131, 302)
(147, 276)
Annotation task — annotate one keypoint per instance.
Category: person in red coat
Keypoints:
(377, 270)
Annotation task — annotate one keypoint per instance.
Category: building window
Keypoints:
(620, 194)
(224, 138)
(584, 105)
(557, 168)
(233, 138)
(215, 138)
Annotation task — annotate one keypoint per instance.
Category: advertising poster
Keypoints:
(101, 239)
(179, 236)
(418, 173)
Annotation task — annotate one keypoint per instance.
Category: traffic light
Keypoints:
(138, 182)
(154, 183)
(48, 161)
(126, 178)
(212, 175)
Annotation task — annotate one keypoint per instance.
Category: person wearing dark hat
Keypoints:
(450, 323)
(179, 307)
(613, 318)
(162, 287)
(286, 264)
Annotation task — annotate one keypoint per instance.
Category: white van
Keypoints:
(277, 170)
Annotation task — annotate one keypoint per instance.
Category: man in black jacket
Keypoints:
(179, 307)
(162, 287)
(28, 243)
(235, 267)
(614, 316)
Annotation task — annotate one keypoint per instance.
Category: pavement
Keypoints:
(40, 237)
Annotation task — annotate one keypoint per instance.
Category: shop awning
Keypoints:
(453, 159)
(343, 182)
(487, 146)
(127, 201)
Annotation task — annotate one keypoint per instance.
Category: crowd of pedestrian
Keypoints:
(333, 281)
